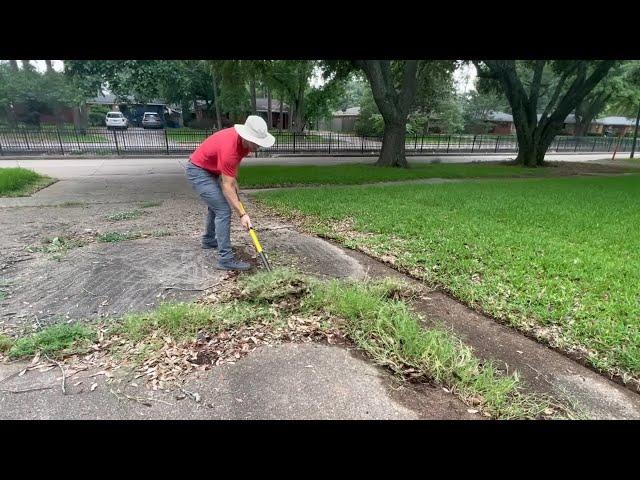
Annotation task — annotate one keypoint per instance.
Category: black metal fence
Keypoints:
(137, 141)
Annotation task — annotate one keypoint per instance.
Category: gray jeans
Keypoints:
(218, 223)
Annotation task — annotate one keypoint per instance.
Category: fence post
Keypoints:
(294, 142)
(60, 140)
(115, 136)
(421, 143)
(362, 145)
(415, 144)
(448, 143)
(594, 144)
(576, 146)
(26, 138)
(329, 142)
(497, 140)
(1, 152)
(480, 143)
(474, 143)
(166, 140)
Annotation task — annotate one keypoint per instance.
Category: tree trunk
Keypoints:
(254, 107)
(394, 106)
(583, 118)
(216, 101)
(587, 110)
(184, 104)
(14, 65)
(11, 116)
(529, 153)
(582, 127)
(49, 64)
(299, 121)
(393, 144)
(534, 143)
(26, 65)
(269, 113)
(300, 108)
(292, 115)
(81, 118)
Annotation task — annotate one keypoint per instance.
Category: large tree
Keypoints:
(292, 78)
(575, 80)
(37, 93)
(619, 89)
(626, 90)
(436, 101)
(322, 101)
(394, 85)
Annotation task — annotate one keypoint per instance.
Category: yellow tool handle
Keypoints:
(256, 242)
(252, 232)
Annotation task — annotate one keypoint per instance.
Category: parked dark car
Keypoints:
(151, 120)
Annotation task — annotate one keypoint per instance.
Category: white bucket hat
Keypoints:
(255, 130)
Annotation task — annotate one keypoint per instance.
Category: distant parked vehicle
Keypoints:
(151, 120)
(116, 120)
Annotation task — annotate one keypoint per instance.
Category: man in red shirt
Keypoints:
(212, 171)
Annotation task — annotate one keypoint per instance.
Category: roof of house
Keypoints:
(499, 117)
(617, 121)
(570, 119)
(349, 112)
(261, 105)
(110, 99)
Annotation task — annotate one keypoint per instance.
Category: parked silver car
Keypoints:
(151, 120)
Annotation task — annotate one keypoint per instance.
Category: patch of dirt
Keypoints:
(587, 168)
(97, 280)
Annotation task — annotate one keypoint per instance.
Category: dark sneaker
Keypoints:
(210, 245)
(232, 265)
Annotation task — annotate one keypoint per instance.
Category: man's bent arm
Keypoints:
(230, 192)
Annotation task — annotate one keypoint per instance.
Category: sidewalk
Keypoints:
(63, 168)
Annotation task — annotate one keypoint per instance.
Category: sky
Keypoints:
(464, 78)
(41, 66)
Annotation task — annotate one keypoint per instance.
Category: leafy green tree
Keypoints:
(576, 79)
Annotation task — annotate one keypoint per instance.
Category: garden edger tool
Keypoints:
(256, 243)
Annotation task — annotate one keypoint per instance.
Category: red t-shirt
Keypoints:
(221, 153)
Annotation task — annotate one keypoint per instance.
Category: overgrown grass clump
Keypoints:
(18, 182)
(56, 340)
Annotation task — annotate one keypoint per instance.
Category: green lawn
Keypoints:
(287, 138)
(187, 135)
(19, 182)
(79, 138)
(558, 257)
(262, 176)
(49, 136)
(191, 135)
